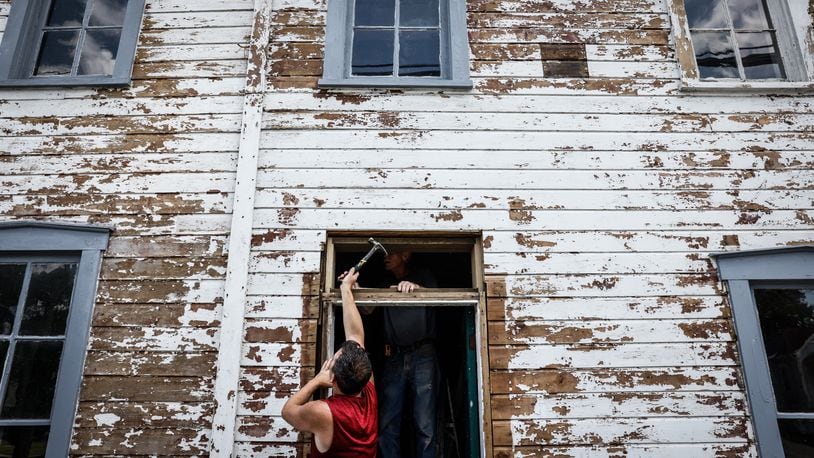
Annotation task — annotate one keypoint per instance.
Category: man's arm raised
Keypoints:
(311, 416)
(350, 314)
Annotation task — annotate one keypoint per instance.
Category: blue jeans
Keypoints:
(418, 372)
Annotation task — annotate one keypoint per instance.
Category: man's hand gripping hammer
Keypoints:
(376, 247)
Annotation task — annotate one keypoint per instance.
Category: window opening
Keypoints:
(80, 37)
(35, 301)
(786, 316)
(70, 42)
(454, 304)
(734, 39)
(396, 38)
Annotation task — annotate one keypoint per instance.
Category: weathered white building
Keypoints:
(569, 168)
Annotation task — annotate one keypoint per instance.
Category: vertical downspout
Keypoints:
(240, 233)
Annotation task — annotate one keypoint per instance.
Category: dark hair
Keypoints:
(352, 368)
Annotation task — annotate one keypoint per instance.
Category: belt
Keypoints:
(394, 349)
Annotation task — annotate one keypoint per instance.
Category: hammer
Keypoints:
(376, 247)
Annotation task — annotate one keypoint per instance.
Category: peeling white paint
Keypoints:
(106, 419)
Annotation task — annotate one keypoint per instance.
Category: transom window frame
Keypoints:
(798, 65)
(744, 272)
(20, 48)
(454, 49)
(475, 298)
(20, 241)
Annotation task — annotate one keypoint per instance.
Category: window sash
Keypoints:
(788, 33)
(396, 28)
(14, 337)
(454, 51)
(23, 36)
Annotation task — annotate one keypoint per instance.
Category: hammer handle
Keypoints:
(364, 260)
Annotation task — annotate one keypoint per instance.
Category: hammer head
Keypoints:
(377, 245)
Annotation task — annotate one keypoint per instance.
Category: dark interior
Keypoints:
(451, 270)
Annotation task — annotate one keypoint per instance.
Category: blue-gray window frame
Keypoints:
(18, 51)
(744, 271)
(454, 51)
(34, 240)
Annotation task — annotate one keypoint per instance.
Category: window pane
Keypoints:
(706, 14)
(714, 55)
(419, 53)
(760, 56)
(49, 296)
(748, 14)
(56, 53)
(31, 382)
(787, 324)
(23, 441)
(11, 283)
(372, 52)
(375, 12)
(797, 437)
(3, 353)
(418, 13)
(108, 12)
(99, 52)
(66, 13)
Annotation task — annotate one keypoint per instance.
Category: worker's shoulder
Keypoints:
(318, 413)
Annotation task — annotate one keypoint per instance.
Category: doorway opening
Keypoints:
(455, 306)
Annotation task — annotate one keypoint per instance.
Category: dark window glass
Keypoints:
(797, 437)
(419, 53)
(3, 353)
(99, 50)
(372, 52)
(107, 12)
(748, 14)
(787, 325)
(706, 14)
(714, 55)
(23, 441)
(418, 13)
(48, 299)
(57, 53)
(30, 389)
(760, 56)
(11, 284)
(375, 12)
(66, 13)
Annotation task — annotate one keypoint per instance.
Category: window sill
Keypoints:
(66, 82)
(741, 87)
(390, 295)
(373, 82)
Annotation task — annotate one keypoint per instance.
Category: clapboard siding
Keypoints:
(599, 197)
(141, 159)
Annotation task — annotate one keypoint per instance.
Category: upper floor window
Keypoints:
(396, 43)
(70, 42)
(738, 43)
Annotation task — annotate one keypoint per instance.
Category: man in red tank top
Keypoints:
(345, 424)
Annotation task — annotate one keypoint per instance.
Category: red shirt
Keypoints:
(356, 424)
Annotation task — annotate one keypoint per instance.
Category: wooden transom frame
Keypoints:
(474, 297)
